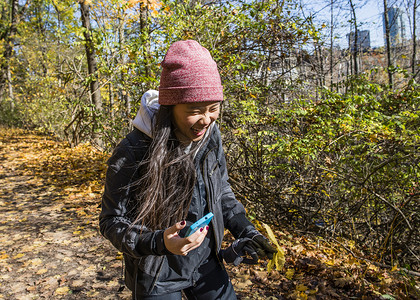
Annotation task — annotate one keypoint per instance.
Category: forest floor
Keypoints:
(50, 246)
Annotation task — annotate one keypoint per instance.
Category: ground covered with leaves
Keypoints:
(50, 246)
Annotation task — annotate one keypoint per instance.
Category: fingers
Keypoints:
(270, 255)
(251, 252)
(264, 248)
(196, 239)
(175, 228)
(181, 246)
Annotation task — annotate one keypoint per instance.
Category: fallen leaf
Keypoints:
(42, 271)
(62, 290)
(289, 274)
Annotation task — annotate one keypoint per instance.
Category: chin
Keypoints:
(196, 139)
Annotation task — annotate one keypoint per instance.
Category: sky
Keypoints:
(369, 17)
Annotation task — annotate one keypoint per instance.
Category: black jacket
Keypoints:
(149, 266)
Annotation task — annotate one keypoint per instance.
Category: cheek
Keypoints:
(190, 121)
(182, 120)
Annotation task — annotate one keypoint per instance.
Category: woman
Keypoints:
(168, 173)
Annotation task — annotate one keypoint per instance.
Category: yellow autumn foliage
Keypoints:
(278, 257)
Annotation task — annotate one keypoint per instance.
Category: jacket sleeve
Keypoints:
(118, 208)
(233, 211)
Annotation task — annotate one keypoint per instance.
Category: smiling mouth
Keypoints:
(198, 132)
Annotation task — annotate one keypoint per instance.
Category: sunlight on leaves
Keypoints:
(278, 257)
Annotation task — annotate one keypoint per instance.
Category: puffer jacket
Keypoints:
(145, 255)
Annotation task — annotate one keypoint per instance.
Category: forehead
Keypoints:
(198, 105)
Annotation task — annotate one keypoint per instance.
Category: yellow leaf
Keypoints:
(62, 290)
(302, 296)
(93, 294)
(289, 274)
(271, 235)
(301, 288)
(18, 256)
(394, 268)
(330, 262)
(373, 267)
(279, 259)
(270, 265)
(119, 256)
(313, 292)
(42, 271)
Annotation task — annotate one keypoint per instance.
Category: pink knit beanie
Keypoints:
(189, 74)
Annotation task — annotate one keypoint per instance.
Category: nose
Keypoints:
(206, 119)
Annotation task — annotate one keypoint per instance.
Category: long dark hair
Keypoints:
(164, 191)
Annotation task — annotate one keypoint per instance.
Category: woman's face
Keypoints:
(193, 119)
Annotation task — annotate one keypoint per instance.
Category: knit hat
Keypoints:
(189, 74)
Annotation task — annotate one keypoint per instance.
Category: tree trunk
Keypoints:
(356, 36)
(8, 52)
(10, 87)
(123, 95)
(331, 43)
(145, 40)
(414, 38)
(388, 43)
(320, 63)
(111, 101)
(92, 69)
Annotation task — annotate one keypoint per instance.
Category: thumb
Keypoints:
(175, 228)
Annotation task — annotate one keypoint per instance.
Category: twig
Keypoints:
(393, 207)
(239, 184)
(414, 273)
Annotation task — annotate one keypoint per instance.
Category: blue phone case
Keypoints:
(204, 221)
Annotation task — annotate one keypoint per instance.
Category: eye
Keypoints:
(214, 109)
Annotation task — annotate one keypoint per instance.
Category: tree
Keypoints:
(355, 48)
(414, 39)
(10, 18)
(331, 41)
(95, 92)
(388, 43)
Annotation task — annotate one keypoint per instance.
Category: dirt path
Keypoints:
(50, 247)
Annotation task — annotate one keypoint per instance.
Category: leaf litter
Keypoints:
(51, 247)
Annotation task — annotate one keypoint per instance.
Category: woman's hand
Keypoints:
(181, 246)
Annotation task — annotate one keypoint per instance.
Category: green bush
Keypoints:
(9, 116)
(345, 165)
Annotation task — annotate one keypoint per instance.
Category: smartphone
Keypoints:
(204, 221)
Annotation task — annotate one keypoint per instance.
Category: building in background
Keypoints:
(396, 26)
(363, 40)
